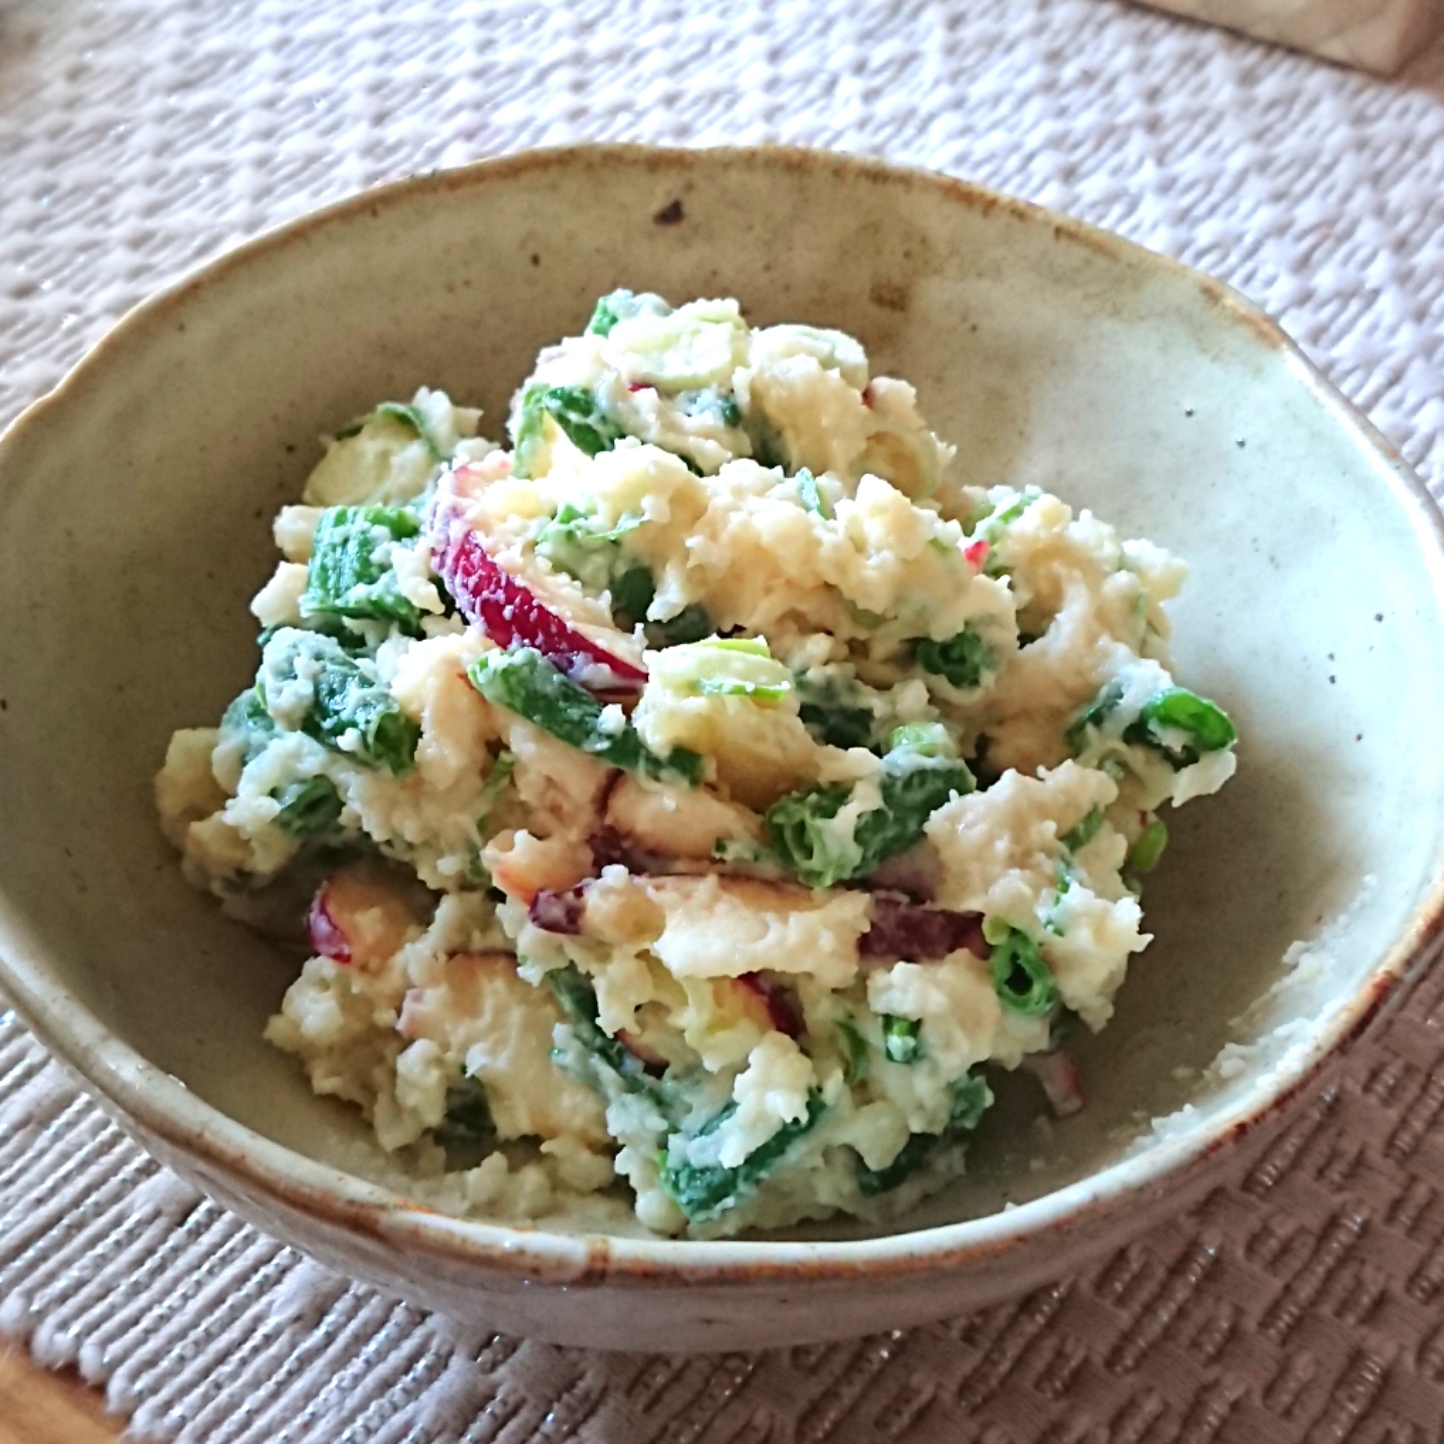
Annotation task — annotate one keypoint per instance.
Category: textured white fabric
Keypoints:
(1302, 1300)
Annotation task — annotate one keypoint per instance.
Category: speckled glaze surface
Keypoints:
(1052, 354)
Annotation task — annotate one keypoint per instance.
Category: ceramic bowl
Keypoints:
(134, 525)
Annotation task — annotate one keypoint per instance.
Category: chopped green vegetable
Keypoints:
(987, 523)
(971, 1098)
(578, 999)
(348, 709)
(411, 416)
(963, 659)
(856, 1062)
(731, 412)
(573, 543)
(1176, 722)
(702, 1191)
(812, 498)
(496, 780)
(1084, 833)
(467, 1122)
(812, 845)
(308, 807)
(901, 1042)
(744, 668)
(623, 305)
(632, 594)
(911, 1157)
(403, 412)
(350, 573)
(575, 410)
(1094, 715)
(524, 682)
(691, 624)
(606, 314)
(836, 723)
(1143, 856)
(246, 724)
(1022, 980)
(927, 739)
(1183, 726)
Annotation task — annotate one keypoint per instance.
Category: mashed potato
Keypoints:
(703, 793)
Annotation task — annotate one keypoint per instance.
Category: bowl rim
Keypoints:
(164, 1110)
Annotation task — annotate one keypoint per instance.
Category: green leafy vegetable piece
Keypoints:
(496, 780)
(247, 724)
(856, 1060)
(971, 1098)
(623, 305)
(411, 416)
(578, 999)
(901, 1039)
(691, 624)
(1175, 722)
(575, 409)
(1084, 833)
(348, 704)
(524, 682)
(963, 659)
(730, 412)
(1022, 980)
(837, 725)
(911, 1157)
(606, 314)
(927, 739)
(308, 807)
(1182, 726)
(812, 845)
(632, 594)
(812, 498)
(407, 415)
(1094, 715)
(467, 1122)
(573, 542)
(704, 1191)
(1147, 849)
(350, 573)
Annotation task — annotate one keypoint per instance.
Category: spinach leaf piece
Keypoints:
(467, 1122)
(971, 1098)
(575, 409)
(524, 682)
(350, 573)
(350, 710)
(963, 659)
(704, 1191)
(578, 999)
(691, 624)
(821, 853)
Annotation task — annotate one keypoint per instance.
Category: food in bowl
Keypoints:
(704, 791)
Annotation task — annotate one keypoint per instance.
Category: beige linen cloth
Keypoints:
(1302, 1300)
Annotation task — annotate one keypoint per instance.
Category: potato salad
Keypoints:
(700, 798)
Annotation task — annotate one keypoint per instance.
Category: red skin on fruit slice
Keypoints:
(921, 934)
(510, 614)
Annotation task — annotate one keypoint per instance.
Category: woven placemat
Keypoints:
(1302, 1300)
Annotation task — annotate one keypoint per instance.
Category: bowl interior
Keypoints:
(134, 526)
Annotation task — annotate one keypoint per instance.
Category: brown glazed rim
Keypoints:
(240, 1162)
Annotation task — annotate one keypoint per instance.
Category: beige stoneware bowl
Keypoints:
(134, 511)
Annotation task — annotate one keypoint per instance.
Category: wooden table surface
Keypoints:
(41, 1406)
